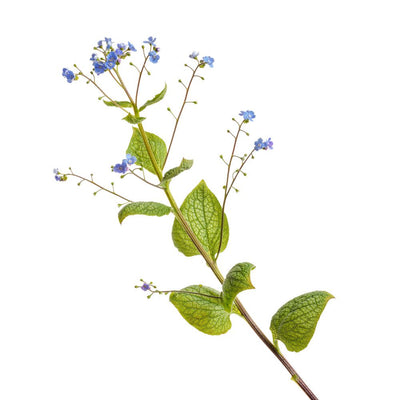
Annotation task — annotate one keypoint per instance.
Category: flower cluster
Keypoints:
(69, 75)
(111, 56)
(264, 145)
(153, 53)
(58, 176)
(206, 60)
(123, 167)
(247, 115)
(148, 287)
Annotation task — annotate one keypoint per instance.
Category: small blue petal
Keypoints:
(68, 74)
(145, 286)
(131, 46)
(208, 60)
(121, 168)
(150, 40)
(154, 57)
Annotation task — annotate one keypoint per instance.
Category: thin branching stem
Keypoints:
(101, 90)
(143, 179)
(238, 171)
(226, 191)
(83, 179)
(114, 77)
(140, 77)
(177, 119)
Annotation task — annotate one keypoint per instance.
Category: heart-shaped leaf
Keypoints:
(295, 322)
(202, 307)
(138, 149)
(237, 280)
(203, 212)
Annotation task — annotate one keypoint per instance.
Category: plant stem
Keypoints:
(139, 79)
(180, 113)
(209, 260)
(102, 91)
(227, 191)
(295, 376)
(99, 186)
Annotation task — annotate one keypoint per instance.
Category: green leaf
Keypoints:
(120, 103)
(143, 208)
(237, 280)
(295, 322)
(202, 307)
(138, 149)
(158, 97)
(203, 213)
(172, 173)
(133, 120)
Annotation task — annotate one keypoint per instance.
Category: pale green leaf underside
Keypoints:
(137, 148)
(172, 173)
(131, 119)
(151, 208)
(237, 280)
(123, 104)
(203, 213)
(295, 322)
(207, 314)
(158, 97)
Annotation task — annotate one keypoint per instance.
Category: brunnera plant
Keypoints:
(200, 225)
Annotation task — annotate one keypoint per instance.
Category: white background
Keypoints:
(319, 212)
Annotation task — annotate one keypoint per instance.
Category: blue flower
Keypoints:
(264, 145)
(108, 43)
(112, 57)
(121, 46)
(258, 144)
(58, 177)
(268, 144)
(111, 60)
(131, 46)
(94, 57)
(247, 115)
(57, 174)
(120, 168)
(194, 54)
(119, 52)
(151, 41)
(154, 57)
(68, 74)
(99, 67)
(100, 43)
(145, 286)
(208, 60)
(130, 159)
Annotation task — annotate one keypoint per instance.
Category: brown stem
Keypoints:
(179, 115)
(295, 376)
(99, 186)
(226, 190)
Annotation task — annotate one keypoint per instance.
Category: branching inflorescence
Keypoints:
(206, 231)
